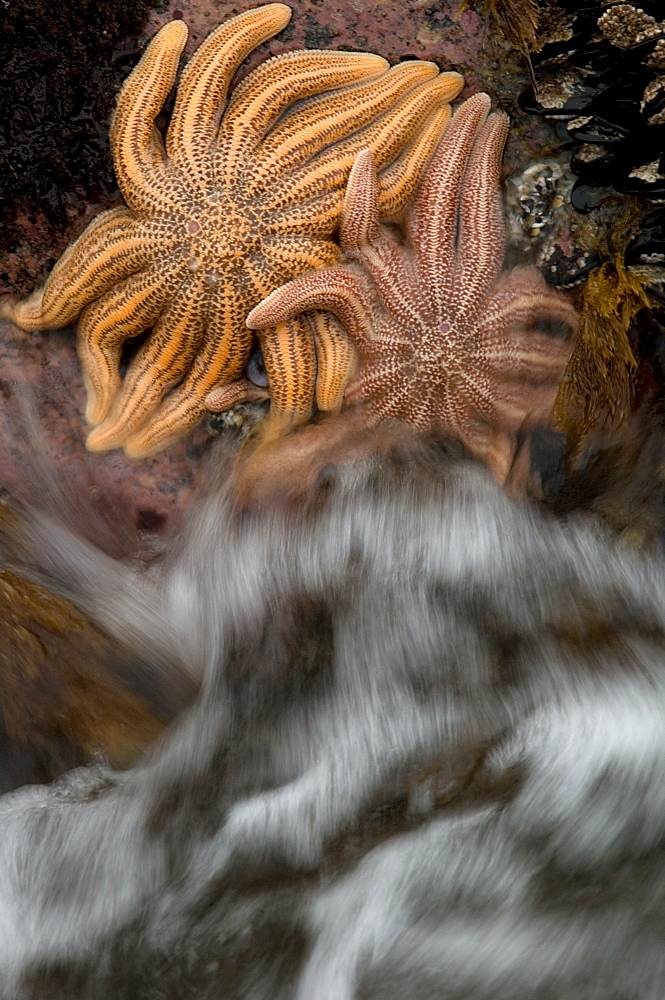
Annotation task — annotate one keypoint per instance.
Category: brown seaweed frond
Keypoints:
(59, 696)
(597, 390)
(518, 20)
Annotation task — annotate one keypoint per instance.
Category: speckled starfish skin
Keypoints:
(238, 200)
(445, 341)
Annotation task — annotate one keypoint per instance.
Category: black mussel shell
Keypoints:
(563, 270)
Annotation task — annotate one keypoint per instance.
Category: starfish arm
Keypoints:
(322, 122)
(394, 130)
(260, 276)
(290, 362)
(317, 217)
(539, 364)
(336, 289)
(481, 237)
(275, 85)
(204, 85)
(531, 375)
(159, 365)
(125, 311)
(399, 402)
(364, 238)
(225, 396)
(109, 250)
(299, 254)
(475, 393)
(381, 380)
(543, 359)
(138, 153)
(400, 179)
(402, 297)
(529, 355)
(391, 340)
(221, 359)
(360, 215)
(432, 219)
(510, 404)
(522, 303)
(417, 407)
(336, 359)
(528, 403)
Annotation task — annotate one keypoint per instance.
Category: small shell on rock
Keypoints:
(534, 194)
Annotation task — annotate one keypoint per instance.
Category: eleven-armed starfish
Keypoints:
(445, 341)
(243, 195)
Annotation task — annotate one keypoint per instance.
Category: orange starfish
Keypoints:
(239, 199)
(445, 341)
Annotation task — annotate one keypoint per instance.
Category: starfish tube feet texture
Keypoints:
(445, 340)
(244, 192)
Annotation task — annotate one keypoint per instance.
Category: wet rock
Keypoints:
(42, 435)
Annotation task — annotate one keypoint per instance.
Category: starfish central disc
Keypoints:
(244, 193)
(218, 235)
(440, 346)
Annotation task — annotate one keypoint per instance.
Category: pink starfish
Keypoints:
(445, 340)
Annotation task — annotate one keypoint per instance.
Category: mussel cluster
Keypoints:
(601, 74)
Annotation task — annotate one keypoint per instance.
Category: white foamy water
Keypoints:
(427, 762)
